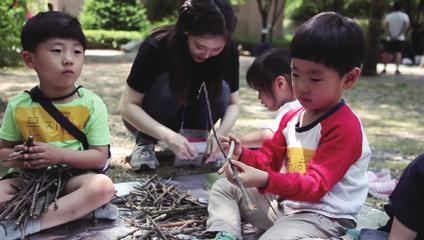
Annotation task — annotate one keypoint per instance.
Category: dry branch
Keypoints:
(41, 188)
(160, 210)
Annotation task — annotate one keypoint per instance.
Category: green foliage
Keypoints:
(36, 6)
(236, 2)
(305, 10)
(159, 9)
(12, 17)
(301, 10)
(113, 15)
(108, 39)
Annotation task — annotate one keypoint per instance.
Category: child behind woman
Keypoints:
(270, 75)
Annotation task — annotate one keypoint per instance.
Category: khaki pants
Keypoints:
(227, 208)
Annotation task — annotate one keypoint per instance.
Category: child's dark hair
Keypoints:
(330, 39)
(266, 67)
(200, 17)
(52, 24)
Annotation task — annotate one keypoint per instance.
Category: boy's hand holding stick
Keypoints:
(15, 155)
(12, 156)
(236, 177)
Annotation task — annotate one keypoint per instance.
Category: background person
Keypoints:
(396, 25)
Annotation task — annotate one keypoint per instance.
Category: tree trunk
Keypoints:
(279, 7)
(264, 30)
(264, 7)
(375, 29)
(415, 11)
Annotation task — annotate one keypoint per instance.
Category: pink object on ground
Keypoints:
(381, 184)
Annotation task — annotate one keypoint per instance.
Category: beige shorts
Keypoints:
(227, 208)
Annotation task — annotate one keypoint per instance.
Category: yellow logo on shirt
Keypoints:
(298, 159)
(35, 121)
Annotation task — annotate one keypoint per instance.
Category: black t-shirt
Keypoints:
(407, 200)
(153, 59)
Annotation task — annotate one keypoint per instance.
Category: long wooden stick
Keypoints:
(236, 177)
(228, 157)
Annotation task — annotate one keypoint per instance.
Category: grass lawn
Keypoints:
(390, 107)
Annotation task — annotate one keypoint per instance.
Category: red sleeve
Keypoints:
(339, 147)
(271, 155)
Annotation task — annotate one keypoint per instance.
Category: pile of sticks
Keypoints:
(40, 188)
(159, 210)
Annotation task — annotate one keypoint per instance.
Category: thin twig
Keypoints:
(161, 235)
(161, 205)
(237, 179)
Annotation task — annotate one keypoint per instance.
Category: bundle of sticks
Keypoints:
(34, 194)
(159, 210)
(32, 199)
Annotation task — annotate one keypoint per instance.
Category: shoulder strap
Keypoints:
(38, 96)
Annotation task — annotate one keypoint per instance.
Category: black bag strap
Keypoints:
(38, 96)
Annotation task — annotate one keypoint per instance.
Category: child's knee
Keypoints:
(6, 189)
(102, 188)
(223, 185)
(220, 184)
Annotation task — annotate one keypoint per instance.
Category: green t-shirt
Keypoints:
(24, 117)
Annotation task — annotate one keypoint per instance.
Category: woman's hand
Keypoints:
(42, 155)
(212, 144)
(213, 151)
(181, 147)
(250, 177)
(225, 144)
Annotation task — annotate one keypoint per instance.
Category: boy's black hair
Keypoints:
(52, 24)
(330, 39)
(266, 67)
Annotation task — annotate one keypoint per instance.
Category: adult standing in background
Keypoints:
(396, 24)
(160, 97)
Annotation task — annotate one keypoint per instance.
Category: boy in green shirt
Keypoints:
(54, 45)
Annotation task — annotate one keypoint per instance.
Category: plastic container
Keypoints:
(199, 140)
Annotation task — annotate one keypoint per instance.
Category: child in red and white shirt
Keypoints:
(310, 179)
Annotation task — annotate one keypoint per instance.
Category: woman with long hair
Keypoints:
(161, 95)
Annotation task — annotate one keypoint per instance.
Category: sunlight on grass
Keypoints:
(391, 107)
